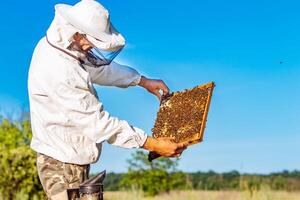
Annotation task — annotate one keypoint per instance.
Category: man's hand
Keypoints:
(154, 86)
(164, 146)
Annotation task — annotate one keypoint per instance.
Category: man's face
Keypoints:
(91, 53)
(80, 43)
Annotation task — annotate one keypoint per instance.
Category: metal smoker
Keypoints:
(91, 189)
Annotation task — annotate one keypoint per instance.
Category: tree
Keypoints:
(19, 179)
(160, 175)
(112, 181)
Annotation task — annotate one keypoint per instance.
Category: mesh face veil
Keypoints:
(95, 56)
(99, 57)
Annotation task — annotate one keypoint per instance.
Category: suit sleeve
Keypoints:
(114, 74)
(86, 113)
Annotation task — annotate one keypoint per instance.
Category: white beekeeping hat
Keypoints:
(92, 18)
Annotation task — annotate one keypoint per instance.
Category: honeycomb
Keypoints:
(182, 115)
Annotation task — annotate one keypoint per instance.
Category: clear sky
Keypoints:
(249, 48)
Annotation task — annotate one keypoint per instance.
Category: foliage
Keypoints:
(17, 162)
(19, 179)
(282, 181)
(152, 178)
(112, 181)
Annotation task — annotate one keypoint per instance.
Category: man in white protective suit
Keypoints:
(68, 121)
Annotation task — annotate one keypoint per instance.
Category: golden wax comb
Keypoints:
(182, 115)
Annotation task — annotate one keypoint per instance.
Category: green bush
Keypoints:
(19, 179)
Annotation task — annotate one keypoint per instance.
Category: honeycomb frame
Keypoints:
(197, 136)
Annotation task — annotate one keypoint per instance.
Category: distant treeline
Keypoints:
(286, 180)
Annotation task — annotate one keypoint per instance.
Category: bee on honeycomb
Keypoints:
(182, 115)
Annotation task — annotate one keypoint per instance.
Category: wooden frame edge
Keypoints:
(204, 119)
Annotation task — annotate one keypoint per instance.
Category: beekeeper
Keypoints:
(68, 120)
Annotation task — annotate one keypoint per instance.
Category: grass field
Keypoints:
(206, 195)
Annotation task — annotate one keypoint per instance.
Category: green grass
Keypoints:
(206, 195)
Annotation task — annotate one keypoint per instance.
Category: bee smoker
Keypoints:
(91, 189)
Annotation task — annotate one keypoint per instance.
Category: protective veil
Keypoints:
(94, 56)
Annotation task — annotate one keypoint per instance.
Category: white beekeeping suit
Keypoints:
(68, 120)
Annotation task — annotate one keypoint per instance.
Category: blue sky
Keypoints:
(253, 124)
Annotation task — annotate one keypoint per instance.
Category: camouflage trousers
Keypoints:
(56, 177)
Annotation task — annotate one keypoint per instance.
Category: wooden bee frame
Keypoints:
(192, 104)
